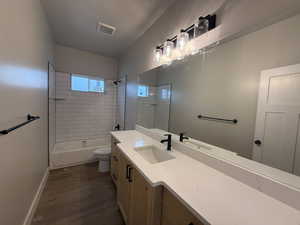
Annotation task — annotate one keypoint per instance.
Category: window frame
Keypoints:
(88, 78)
(147, 91)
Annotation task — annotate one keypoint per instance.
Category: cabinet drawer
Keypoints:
(175, 213)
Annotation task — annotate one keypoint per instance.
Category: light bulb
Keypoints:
(182, 40)
(167, 52)
(166, 60)
(191, 49)
(168, 47)
(157, 54)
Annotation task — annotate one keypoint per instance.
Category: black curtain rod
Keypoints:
(30, 118)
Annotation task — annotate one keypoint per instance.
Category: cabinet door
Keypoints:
(124, 185)
(145, 207)
(175, 213)
(114, 161)
(140, 196)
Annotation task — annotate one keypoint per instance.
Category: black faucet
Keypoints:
(182, 137)
(169, 140)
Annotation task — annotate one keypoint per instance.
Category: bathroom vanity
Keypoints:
(171, 188)
(139, 201)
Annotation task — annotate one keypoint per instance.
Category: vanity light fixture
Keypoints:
(168, 47)
(182, 40)
(167, 52)
(203, 25)
(182, 44)
(157, 54)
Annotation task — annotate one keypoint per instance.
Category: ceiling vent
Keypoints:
(106, 29)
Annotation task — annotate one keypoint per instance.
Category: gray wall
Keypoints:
(72, 60)
(148, 78)
(225, 84)
(236, 16)
(26, 47)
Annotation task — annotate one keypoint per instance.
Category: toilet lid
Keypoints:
(104, 151)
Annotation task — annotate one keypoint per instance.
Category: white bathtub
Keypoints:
(75, 152)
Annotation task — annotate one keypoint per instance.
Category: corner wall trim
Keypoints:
(36, 199)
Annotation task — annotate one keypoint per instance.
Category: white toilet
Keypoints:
(104, 159)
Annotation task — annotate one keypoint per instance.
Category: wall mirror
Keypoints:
(243, 96)
(153, 101)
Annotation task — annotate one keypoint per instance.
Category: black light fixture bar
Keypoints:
(190, 30)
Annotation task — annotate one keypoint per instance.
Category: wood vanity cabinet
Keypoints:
(124, 186)
(175, 213)
(145, 207)
(138, 201)
(114, 161)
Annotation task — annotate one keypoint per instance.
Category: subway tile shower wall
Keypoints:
(81, 115)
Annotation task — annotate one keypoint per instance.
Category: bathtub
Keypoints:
(76, 152)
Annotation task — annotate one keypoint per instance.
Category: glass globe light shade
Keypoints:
(157, 54)
(168, 47)
(182, 40)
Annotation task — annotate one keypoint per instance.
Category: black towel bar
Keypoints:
(30, 118)
(218, 119)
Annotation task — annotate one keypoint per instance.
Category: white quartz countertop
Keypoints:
(212, 196)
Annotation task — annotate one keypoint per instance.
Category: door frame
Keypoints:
(125, 100)
(262, 99)
(48, 110)
(170, 102)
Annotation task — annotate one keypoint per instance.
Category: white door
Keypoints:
(162, 109)
(276, 140)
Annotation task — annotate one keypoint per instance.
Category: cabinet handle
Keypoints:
(129, 174)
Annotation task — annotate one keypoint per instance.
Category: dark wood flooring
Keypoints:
(78, 196)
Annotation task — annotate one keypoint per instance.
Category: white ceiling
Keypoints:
(74, 22)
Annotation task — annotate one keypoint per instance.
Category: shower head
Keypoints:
(116, 82)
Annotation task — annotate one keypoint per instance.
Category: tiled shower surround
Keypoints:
(83, 115)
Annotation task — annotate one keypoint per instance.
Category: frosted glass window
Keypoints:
(96, 85)
(79, 83)
(86, 84)
(143, 91)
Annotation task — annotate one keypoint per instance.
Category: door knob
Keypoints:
(257, 142)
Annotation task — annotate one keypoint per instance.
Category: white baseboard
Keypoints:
(36, 199)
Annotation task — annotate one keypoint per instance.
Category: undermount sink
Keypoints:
(153, 155)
